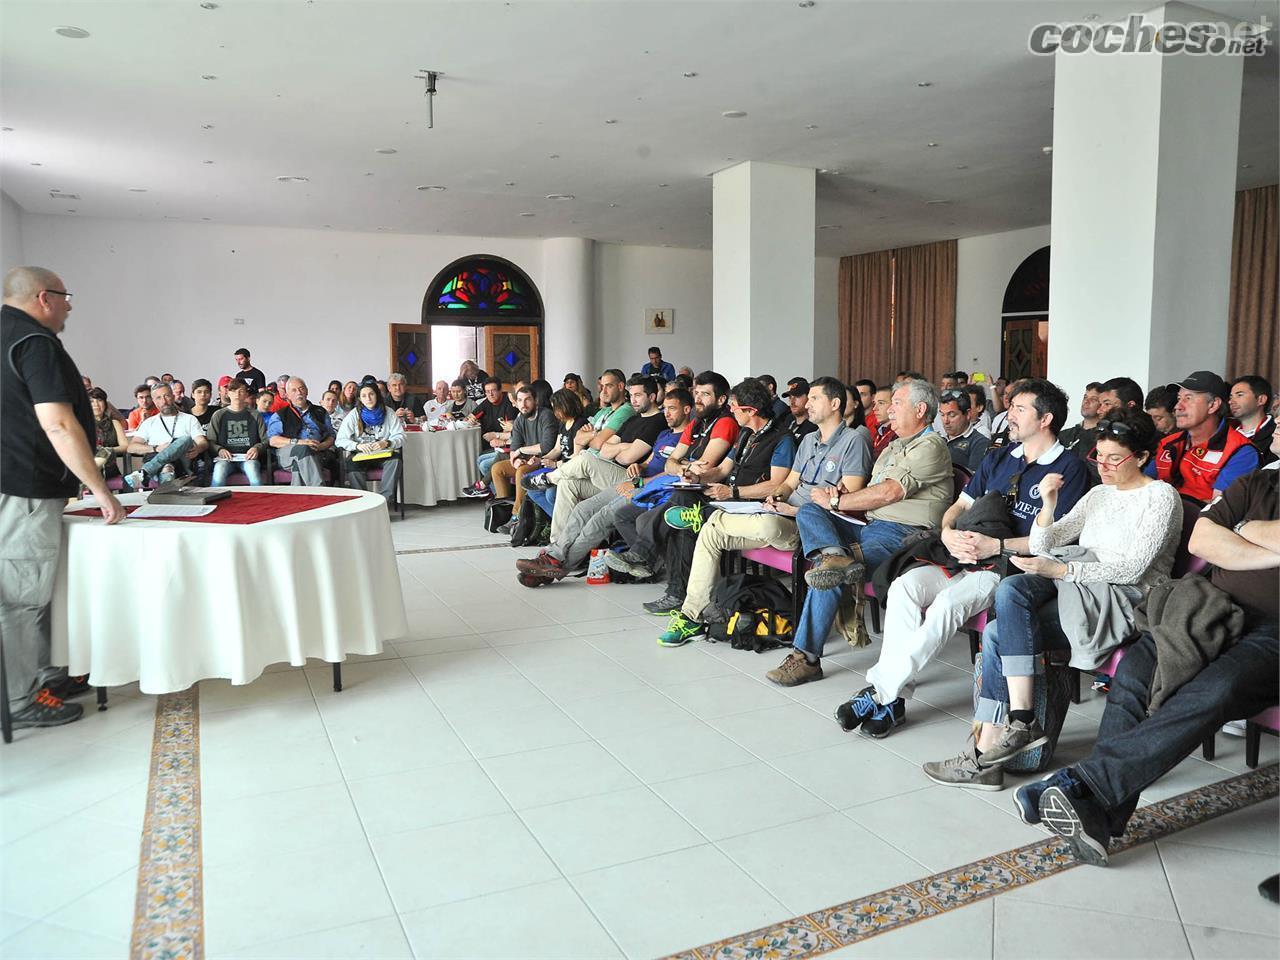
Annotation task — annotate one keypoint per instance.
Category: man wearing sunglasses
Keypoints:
(1205, 454)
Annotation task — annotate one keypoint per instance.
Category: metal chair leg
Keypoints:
(337, 678)
(6, 719)
(102, 699)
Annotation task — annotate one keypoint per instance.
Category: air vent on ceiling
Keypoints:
(58, 195)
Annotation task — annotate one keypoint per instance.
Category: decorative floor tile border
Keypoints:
(168, 918)
(847, 923)
(474, 546)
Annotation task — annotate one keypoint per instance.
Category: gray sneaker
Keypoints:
(1017, 737)
(629, 563)
(965, 771)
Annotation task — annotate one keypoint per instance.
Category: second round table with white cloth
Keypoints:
(439, 464)
(168, 602)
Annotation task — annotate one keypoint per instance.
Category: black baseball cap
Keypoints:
(1205, 381)
(797, 387)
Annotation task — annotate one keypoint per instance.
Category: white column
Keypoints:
(1144, 176)
(568, 295)
(763, 270)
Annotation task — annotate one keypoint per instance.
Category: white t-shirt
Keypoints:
(159, 429)
(433, 409)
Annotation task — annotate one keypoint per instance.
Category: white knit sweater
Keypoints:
(1133, 533)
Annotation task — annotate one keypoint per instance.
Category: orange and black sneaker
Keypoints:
(46, 710)
(68, 688)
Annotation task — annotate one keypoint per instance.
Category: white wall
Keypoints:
(983, 268)
(631, 278)
(11, 250)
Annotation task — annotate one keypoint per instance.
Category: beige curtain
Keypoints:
(865, 316)
(1251, 326)
(924, 326)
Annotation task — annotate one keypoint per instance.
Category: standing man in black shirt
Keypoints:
(48, 440)
(255, 378)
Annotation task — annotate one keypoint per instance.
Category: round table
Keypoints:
(439, 464)
(171, 602)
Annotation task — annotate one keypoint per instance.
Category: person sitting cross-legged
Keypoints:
(1155, 717)
(237, 431)
(533, 436)
(911, 486)
(830, 456)
(170, 441)
(301, 434)
(371, 428)
(1077, 594)
(494, 415)
(929, 602)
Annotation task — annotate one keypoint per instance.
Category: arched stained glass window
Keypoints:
(483, 287)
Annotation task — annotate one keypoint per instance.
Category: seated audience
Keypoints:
(460, 406)
(494, 415)
(965, 444)
(434, 408)
(408, 408)
(1077, 593)
(109, 438)
(169, 441)
(931, 600)
(687, 373)
(1000, 423)
(1079, 439)
(201, 392)
(473, 380)
(372, 429)
(184, 403)
(566, 407)
(349, 398)
(1159, 405)
(237, 437)
(657, 367)
(301, 435)
(997, 396)
(1206, 454)
(883, 434)
(264, 401)
(778, 405)
(1152, 722)
(329, 400)
(1248, 401)
(1119, 393)
(146, 407)
(573, 382)
(910, 489)
(223, 382)
(978, 414)
(797, 397)
(867, 394)
(533, 436)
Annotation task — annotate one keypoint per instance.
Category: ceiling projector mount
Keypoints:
(430, 77)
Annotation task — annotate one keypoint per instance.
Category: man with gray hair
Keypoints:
(169, 440)
(301, 433)
(48, 431)
(910, 489)
(406, 407)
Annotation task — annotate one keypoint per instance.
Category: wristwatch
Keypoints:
(1238, 527)
(835, 502)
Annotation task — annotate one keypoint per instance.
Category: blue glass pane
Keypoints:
(412, 358)
(511, 358)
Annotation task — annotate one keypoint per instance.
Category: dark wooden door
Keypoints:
(411, 355)
(512, 353)
(1026, 348)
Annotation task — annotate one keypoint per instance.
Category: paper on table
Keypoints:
(741, 506)
(237, 458)
(153, 511)
(848, 519)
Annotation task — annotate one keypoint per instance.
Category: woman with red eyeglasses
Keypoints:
(1078, 591)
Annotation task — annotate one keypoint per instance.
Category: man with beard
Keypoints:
(169, 441)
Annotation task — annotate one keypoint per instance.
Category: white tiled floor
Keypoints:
(528, 774)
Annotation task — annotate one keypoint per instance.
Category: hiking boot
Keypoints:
(538, 481)
(1079, 820)
(1017, 738)
(630, 563)
(835, 570)
(533, 564)
(68, 688)
(884, 718)
(46, 710)
(965, 770)
(665, 605)
(794, 670)
(851, 713)
(1026, 799)
(680, 631)
(684, 518)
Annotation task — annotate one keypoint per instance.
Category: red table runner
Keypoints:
(246, 507)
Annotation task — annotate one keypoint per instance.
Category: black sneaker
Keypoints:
(884, 718)
(539, 481)
(664, 606)
(46, 710)
(854, 711)
(68, 688)
(1078, 820)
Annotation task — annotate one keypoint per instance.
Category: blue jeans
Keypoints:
(224, 468)
(545, 499)
(1026, 625)
(175, 453)
(1134, 750)
(485, 463)
(820, 532)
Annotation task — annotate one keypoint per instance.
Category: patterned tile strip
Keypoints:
(825, 930)
(474, 546)
(168, 919)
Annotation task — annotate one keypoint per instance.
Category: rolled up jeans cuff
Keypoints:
(990, 711)
(1020, 666)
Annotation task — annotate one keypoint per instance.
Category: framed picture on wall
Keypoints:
(659, 320)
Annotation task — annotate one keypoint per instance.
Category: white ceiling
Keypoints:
(312, 88)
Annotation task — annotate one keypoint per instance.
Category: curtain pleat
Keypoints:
(1251, 326)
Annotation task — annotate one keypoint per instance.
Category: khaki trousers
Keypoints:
(726, 531)
(581, 478)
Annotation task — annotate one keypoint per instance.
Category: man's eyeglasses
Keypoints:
(61, 293)
(1110, 463)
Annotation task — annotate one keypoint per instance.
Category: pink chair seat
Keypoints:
(1268, 719)
(770, 557)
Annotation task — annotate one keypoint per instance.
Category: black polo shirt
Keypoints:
(37, 369)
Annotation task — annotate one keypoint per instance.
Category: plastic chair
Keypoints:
(1268, 720)
(374, 474)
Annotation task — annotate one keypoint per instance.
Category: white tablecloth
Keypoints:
(439, 464)
(168, 603)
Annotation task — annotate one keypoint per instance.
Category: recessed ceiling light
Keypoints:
(433, 186)
(690, 74)
(206, 218)
(208, 5)
(559, 196)
(59, 195)
(70, 210)
(6, 129)
(71, 33)
(924, 83)
(208, 76)
(36, 163)
(805, 4)
(613, 204)
(206, 126)
(931, 143)
(664, 184)
(207, 163)
(291, 179)
(963, 166)
(936, 202)
(1046, 150)
(611, 121)
(554, 156)
(828, 226)
(811, 126)
(666, 244)
(386, 151)
(369, 174)
(1246, 166)
(137, 189)
(734, 114)
(528, 214)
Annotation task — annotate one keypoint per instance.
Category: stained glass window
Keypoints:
(483, 286)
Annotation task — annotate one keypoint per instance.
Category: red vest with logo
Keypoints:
(1196, 467)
